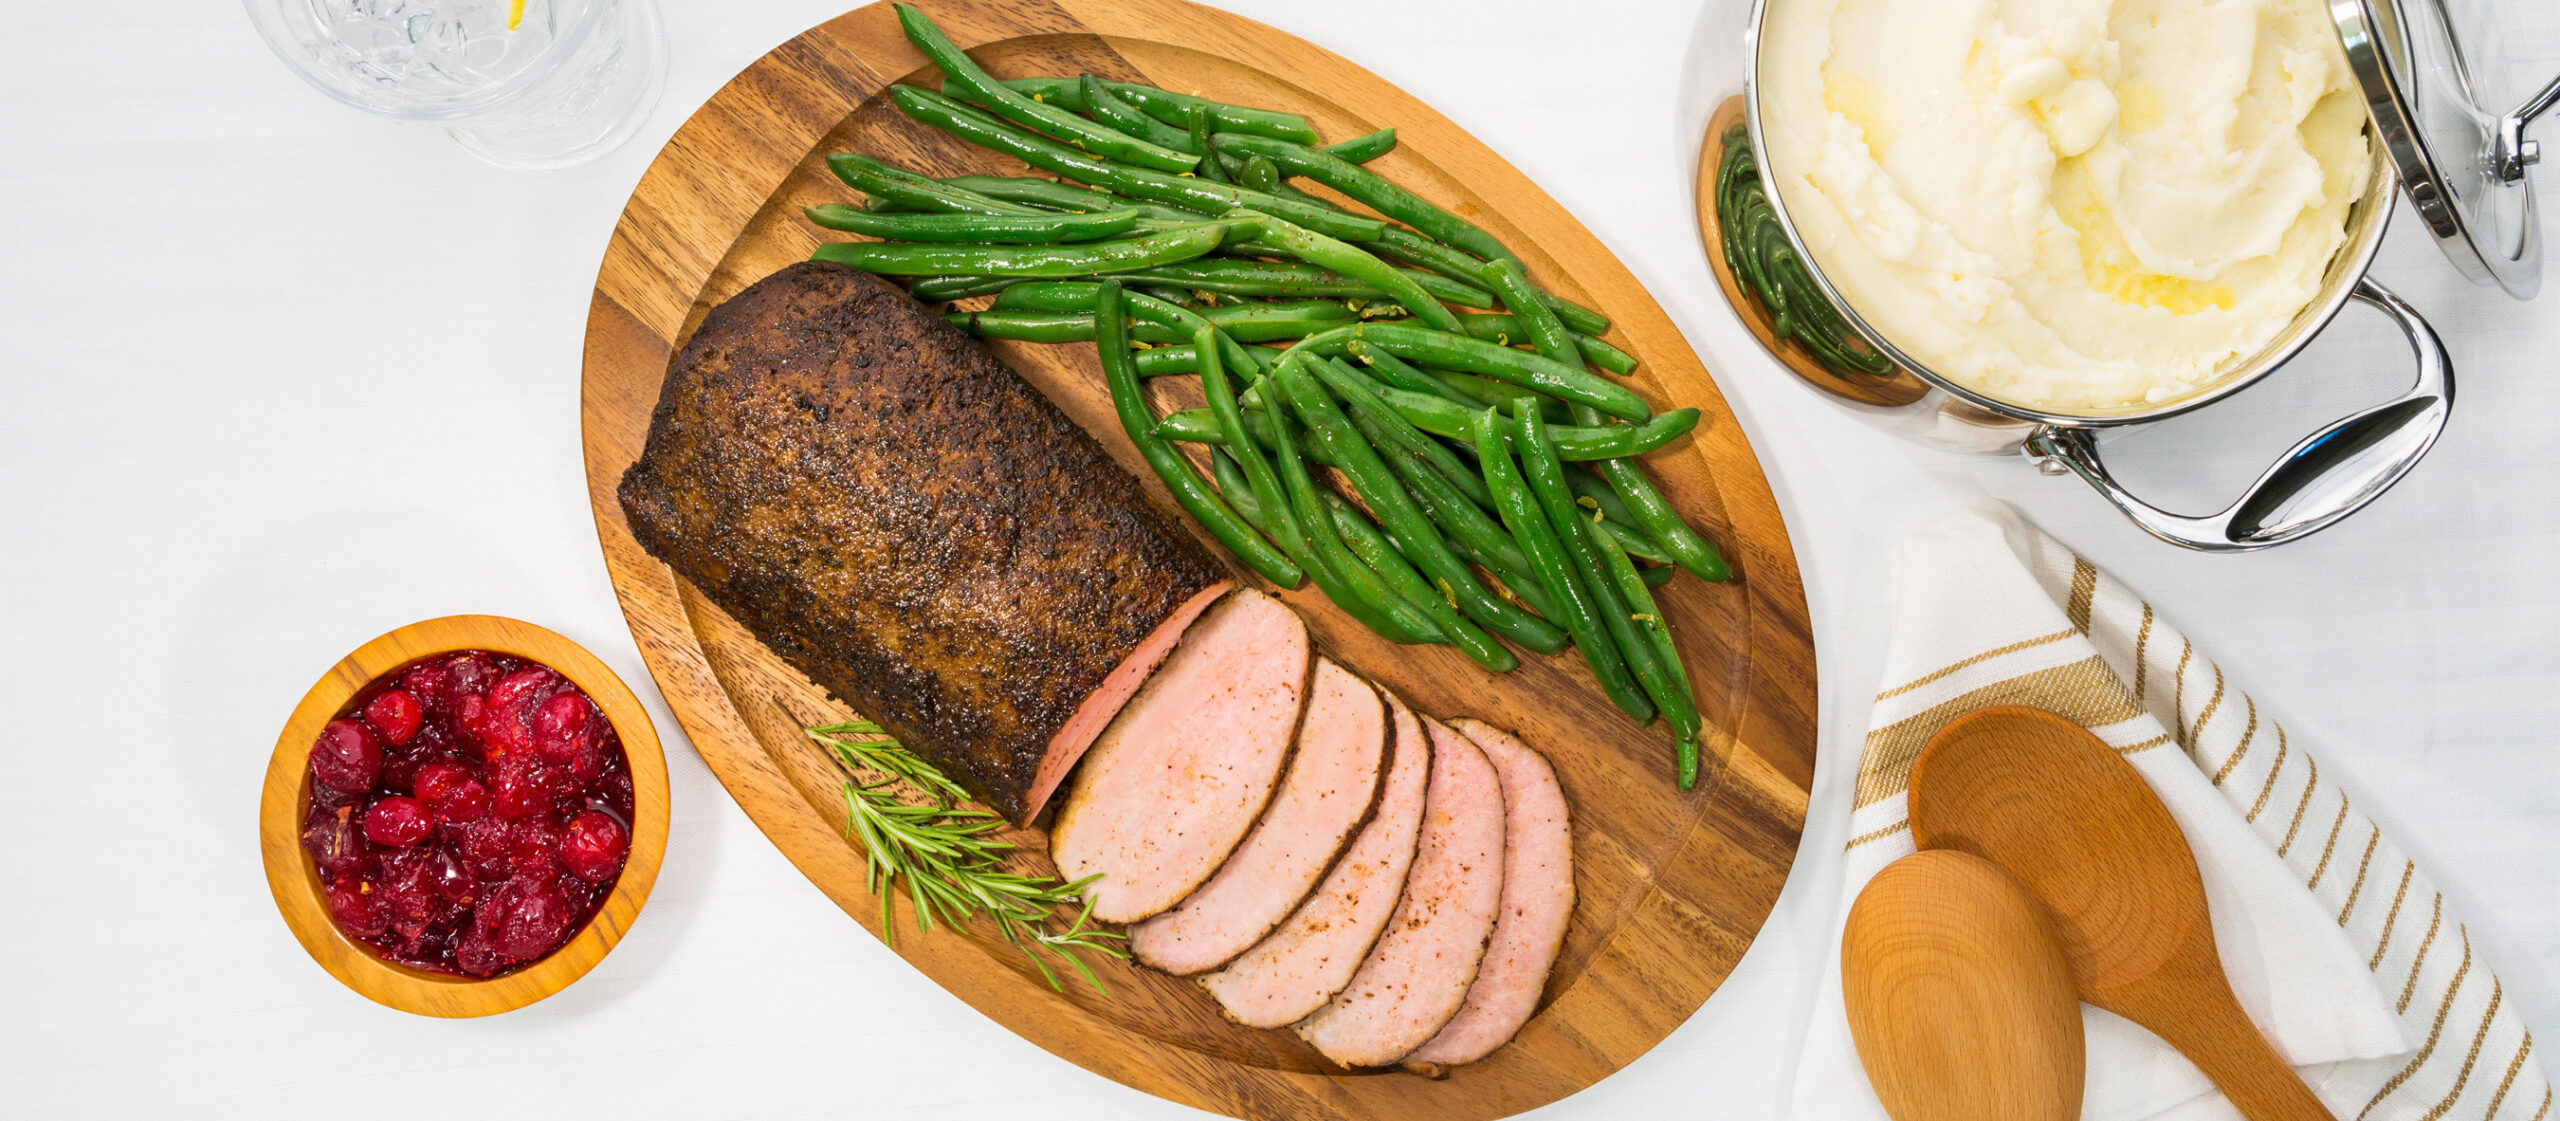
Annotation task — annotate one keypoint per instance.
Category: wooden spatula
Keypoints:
(2075, 824)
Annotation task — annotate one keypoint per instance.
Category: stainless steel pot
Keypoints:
(2466, 173)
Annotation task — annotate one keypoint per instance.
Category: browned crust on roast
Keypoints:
(904, 519)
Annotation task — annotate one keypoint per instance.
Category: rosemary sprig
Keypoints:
(950, 862)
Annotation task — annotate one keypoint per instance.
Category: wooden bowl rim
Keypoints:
(294, 880)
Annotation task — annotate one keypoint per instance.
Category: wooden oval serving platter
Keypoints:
(1672, 885)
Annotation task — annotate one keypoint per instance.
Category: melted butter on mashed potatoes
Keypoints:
(2074, 205)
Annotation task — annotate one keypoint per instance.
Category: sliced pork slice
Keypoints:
(1417, 976)
(1189, 763)
(1311, 956)
(1332, 784)
(1537, 905)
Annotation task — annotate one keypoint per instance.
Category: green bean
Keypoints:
(1359, 592)
(1065, 93)
(1670, 687)
(1188, 192)
(1400, 374)
(936, 289)
(1102, 103)
(1037, 261)
(1500, 394)
(1197, 129)
(1341, 257)
(1175, 108)
(1646, 507)
(1111, 337)
(1181, 359)
(1574, 443)
(1508, 330)
(1258, 174)
(1054, 195)
(1545, 475)
(1263, 484)
(1465, 526)
(883, 181)
(1653, 577)
(1258, 323)
(1027, 326)
(1549, 562)
(1415, 249)
(958, 70)
(1393, 571)
(1188, 426)
(1362, 149)
(1521, 368)
(982, 228)
(1370, 189)
(1361, 394)
(1404, 521)
(1246, 277)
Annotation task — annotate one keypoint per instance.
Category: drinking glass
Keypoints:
(520, 83)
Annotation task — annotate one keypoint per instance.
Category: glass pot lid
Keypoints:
(2442, 103)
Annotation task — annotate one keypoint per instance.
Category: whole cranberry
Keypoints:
(614, 790)
(535, 920)
(346, 758)
(334, 841)
(352, 903)
(396, 714)
(594, 847)
(560, 727)
(397, 821)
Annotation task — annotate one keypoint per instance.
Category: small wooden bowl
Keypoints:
(296, 882)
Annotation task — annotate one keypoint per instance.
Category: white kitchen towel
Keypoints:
(2340, 949)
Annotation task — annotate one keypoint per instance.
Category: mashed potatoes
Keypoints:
(2073, 205)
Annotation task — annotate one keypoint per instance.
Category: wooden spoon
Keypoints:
(1959, 998)
(2077, 826)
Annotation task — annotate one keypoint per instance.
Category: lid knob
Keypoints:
(2515, 153)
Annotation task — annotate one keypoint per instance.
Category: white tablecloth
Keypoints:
(276, 377)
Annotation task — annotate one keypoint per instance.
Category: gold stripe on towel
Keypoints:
(2178, 698)
(2329, 848)
(2283, 748)
(2462, 1077)
(2509, 1082)
(1877, 834)
(2195, 735)
(2242, 751)
(2545, 1111)
(1969, 663)
(2310, 786)
(2084, 692)
(2142, 657)
(2362, 866)
(2161, 740)
(2084, 586)
(2390, 922)
(2435, 1035)
(2428, 943)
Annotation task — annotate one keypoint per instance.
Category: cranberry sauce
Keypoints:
(469, 812)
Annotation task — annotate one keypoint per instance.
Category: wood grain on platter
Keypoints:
(1672, 885)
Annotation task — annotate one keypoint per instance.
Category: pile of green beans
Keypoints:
(1489, 491)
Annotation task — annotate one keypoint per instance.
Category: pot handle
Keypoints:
(2332, 473)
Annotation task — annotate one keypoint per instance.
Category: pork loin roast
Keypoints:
(911, 524)
(1183, 772)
